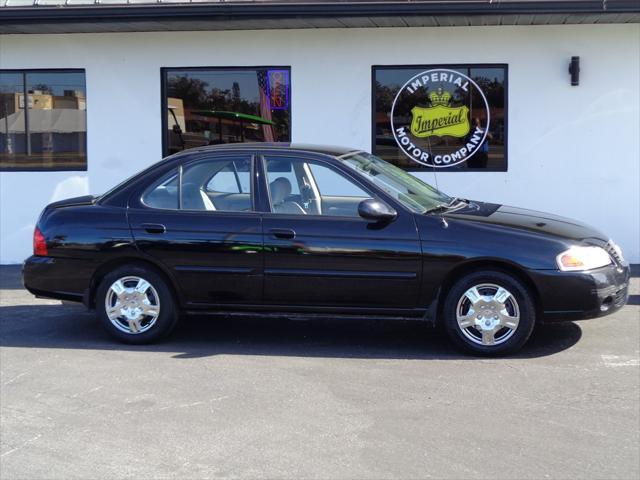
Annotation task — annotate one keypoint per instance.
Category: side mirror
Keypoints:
(375, 210)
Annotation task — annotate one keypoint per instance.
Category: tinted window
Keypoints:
(163, 193)
(302, 187)
(209, 106)
(207, 185)
(449, 117)
(283, 167)
(196, 178)
(331, 183)
(231, 179)
(43, 120)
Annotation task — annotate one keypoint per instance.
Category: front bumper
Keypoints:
(568, 296)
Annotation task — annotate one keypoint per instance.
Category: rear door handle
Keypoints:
(284, 233)
(154, 227)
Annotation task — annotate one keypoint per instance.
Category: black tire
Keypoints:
(167, 317)
(525, 304)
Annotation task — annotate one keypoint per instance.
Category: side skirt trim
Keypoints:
(305, 316)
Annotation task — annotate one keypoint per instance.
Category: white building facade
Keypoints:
(570, 150)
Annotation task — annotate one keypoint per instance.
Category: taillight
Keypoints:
(39, 243)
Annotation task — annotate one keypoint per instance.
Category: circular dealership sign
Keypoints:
(432, 121)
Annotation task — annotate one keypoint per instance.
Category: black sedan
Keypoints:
(304, 231)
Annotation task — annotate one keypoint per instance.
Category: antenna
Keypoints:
(435, 177)
(443, 220)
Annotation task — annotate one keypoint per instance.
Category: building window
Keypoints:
(43, 120)
(210, 106)
(449, 117)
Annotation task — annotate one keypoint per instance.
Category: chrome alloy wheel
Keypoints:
(488, 314)
(132, 305)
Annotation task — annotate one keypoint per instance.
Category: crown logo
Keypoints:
(440, 97)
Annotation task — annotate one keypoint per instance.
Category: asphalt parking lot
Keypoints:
(326, 400)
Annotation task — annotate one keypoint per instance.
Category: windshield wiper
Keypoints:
(443, 207)
(456, 200)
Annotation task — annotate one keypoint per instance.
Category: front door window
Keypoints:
(303, 187)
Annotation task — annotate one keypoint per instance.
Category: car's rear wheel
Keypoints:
(135, 305)
(489, 313)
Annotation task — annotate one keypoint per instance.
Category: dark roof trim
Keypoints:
(151, 12)
(304, 14)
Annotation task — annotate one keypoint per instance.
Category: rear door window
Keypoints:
(216, 184)
(235, 177)
(163, 193)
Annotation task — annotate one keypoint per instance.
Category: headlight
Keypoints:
(582, 258)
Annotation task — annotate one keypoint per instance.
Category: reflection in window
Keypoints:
(216, 106)
(492, 80)
(43, 120)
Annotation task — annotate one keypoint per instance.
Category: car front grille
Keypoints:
(613, 253)
(620, 298)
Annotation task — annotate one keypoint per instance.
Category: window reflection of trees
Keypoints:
(194, 102)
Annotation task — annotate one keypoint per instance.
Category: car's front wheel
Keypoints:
(489, 313)
(135, 305)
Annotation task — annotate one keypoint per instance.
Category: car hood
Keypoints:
(530, 220)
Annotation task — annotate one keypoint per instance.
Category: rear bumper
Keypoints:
(58, 278)
(569, 296)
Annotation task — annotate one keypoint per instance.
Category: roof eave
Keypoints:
(143, 15)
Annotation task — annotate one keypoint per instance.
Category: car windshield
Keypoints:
(404, 187)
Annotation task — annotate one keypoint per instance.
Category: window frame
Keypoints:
(25, 72)
(164, 71)
(451, 66)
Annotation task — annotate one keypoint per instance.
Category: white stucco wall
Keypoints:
(574, 151)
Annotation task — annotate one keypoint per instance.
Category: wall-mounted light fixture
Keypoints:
(574, 71)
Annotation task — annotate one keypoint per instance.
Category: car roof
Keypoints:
(300, 147)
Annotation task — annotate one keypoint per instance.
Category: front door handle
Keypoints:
(284, 233)
(154, 227)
